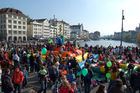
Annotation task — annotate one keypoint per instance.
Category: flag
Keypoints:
(63, 40)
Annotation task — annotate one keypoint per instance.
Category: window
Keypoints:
(15, 32)
(19, 22)
(24, 32)
(9, 21)
(15, 26)
(15, 16)
(4, 26)
(24, 27)
(19, 17)
(19, 27)
(19, 32)
(15, 22)
(10, 32)
(9, 26)
(23, 23)
(10, 16)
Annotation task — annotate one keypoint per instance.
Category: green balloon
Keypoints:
(50, 41)
(44, 51)
(108, 75)
(109, 64)
(135, 68)
(11, 49)
(126, 72)
(84, 72)
(28, 55)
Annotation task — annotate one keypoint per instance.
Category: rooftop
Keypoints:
(11, 10)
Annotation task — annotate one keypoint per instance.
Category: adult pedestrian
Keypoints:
(7, 85)
(17, 79)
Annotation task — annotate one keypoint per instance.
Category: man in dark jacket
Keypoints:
(135, 81)
(7, 86)
(117, 87)
(87, 79)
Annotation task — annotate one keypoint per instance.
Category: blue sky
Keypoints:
(101, 15)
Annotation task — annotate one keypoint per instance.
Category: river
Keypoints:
(106, 43)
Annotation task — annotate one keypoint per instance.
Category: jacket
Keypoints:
(88, 77)
(7, 85)
(115, 89)
(17, 77)
(65, 89)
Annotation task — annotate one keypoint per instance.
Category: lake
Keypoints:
(106, 43)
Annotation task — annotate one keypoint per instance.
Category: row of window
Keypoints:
(17, 32)
(16, 17)
(15, 27)
(37, 33)
(16, 22)
(37, 29)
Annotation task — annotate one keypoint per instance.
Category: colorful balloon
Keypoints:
(11, 49)
(108, 75)
(28, 55)
(50, 41)
(109, 64)
(44, 51)
(84, 72)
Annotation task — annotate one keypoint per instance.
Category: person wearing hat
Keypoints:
(17, 79)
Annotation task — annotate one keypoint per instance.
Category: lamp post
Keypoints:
(122, 27)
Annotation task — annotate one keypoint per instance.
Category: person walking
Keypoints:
(7, 85)
(87, 79)
(17, 79)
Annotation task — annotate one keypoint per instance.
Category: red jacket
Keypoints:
(65, 89)
(17, 77)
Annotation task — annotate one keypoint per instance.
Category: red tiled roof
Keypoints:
(11, 10)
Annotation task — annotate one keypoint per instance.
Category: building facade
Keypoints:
(13, 25)
(39, 28)
(45, 27)
(78, 29)
(85, 35)
(34, 29)
(62, 28)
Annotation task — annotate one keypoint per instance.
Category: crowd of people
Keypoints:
(17, 65)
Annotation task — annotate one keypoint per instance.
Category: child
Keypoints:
(74, 87)
(25, 74)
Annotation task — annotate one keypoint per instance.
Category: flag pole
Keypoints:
(122, 28)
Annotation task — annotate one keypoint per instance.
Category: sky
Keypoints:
(95, 15)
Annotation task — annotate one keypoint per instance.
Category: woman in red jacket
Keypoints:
(17, 79)
(66, 88)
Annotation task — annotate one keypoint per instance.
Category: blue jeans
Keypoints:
(43, 86)
(87, 88)
(136, 87)
(17, 87)
(24, 82)
(9, 92)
